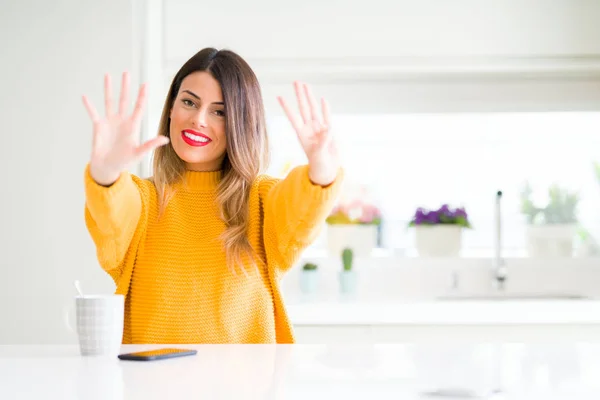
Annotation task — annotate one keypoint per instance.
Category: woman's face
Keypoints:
(197, 129)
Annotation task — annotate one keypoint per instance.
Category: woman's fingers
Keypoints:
(291, 116)
(124, 99)
(108, 101)
(151, 145)
(140, 103)
(90, 109)
(302, 103)
(326, 113)
(312, 103)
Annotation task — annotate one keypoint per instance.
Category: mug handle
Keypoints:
(67, 315)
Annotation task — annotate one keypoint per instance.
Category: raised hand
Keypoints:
(313, 131)
(115, 143)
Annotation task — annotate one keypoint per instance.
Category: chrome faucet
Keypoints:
(498, 264)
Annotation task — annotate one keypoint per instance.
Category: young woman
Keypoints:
(199, 248)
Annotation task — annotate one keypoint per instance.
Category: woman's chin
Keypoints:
(193, 162)
(197, 156)
(189, 160)
(190, 155)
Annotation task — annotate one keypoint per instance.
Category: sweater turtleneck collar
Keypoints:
(201, 180)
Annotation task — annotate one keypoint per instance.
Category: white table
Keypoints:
(403, 371)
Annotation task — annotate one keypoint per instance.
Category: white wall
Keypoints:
(315, 29)
(390, 56)
(52, 53)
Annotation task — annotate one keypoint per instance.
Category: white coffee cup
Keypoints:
(99, 321)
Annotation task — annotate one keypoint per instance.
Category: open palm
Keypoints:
(313, 131)
(115, 143)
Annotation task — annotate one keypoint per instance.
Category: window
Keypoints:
(409, 160)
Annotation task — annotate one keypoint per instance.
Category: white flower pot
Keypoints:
(551, 240)
(362, 239)
(348, 281)
(438, 240)
(309, 280)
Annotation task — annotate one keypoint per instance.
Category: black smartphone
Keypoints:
(158, 354)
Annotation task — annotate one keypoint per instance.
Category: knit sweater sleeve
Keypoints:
(295, 210)
(111, 216)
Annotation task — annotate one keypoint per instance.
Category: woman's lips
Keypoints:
(194, 138)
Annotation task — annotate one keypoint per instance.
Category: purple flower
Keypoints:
(444, 215)
(433, 217)
(420, 216)
(460, 212)
(445, 210)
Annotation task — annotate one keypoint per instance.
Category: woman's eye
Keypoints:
(220, 113)
(188, 103)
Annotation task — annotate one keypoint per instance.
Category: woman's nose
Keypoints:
(200, 119)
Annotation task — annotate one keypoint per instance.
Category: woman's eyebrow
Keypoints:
(198, 97)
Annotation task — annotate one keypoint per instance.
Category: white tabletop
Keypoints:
(520, 371)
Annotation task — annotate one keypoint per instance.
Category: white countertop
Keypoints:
(456, 312)
(520, 371)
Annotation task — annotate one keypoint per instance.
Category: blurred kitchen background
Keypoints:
(434, 103)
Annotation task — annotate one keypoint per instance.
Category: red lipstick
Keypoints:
(195, 138)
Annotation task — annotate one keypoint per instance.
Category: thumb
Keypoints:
(151, 144)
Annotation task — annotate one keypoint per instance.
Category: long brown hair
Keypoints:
(247, 153)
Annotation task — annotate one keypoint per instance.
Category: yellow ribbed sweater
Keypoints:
(172, 270)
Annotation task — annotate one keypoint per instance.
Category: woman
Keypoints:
(199, 248)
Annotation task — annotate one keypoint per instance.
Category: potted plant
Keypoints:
(309, 278)
(551, 228)
(354, 225)
(347, 274)
(438, 233)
